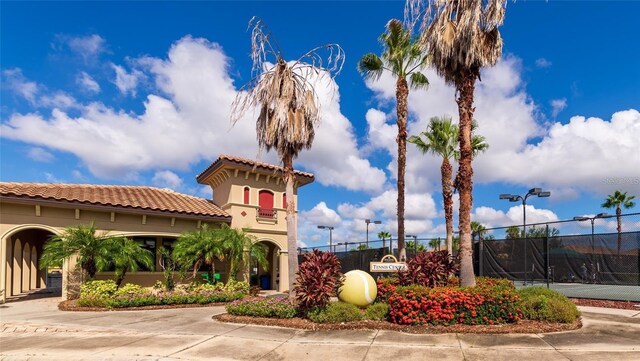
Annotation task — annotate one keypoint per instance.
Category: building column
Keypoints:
(16, 282)
(6, 252)
(34, 268)
(284, 271)
(26, 267)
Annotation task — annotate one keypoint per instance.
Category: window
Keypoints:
(265, 201)
(284, 200)
(148, 243)
(246, 195)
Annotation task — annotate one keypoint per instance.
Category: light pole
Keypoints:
(515, 198)
(593, 220)
(368, 221)
(330, 234)
(415, 242)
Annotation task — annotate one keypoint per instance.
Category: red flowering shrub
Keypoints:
(386, 287)
(428, 269)
(492, 301)
(318, 279)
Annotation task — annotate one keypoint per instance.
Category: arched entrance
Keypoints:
(268, 279)
(22, 274)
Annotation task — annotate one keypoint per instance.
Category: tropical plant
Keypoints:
(289, 110)
(441, 139)
(514, 232)
(361, 247)
(336, 312)
(415, 246)
(318, 279)
(83, 241)
(384, 235)
(619, 200)
(403, 57)
(126, 255)
(239, 247)
(198, 247)
(428, 269)
(434, 243)
(478, 230)
(169, 267)
(462, 38)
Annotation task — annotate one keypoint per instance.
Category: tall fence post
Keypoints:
(481, 256)
(546, 255)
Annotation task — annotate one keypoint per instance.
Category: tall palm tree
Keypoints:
(403, 57)
(239, 247)
(289, 110)
(462, 37)
(478, 229)
(441, 139)
(126, 255)
(384, 235)
(617, 200)
(194, 248)
(83, 241)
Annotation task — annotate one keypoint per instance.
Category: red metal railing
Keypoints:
(267, 213)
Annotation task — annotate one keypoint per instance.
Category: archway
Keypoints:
(268, 279)
(22, 274)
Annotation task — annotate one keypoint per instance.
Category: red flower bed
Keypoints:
(492, 301)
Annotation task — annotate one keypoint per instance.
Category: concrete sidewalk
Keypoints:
(36, 330)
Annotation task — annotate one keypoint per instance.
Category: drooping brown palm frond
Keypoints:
(289, 107)
(459, 34)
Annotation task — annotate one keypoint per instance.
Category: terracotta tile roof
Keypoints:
(248, 162)
(132, 197)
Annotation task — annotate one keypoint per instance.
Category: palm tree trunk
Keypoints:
(292, 232)
(447, 195)
(619, 219)
(465, 84)
(120, 277)
(90, 267)
(402, 93)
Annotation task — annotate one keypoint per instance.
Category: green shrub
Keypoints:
(98, 289)
(336, 312)
(377, 312)
(237, 286)
(542, 304)
(131, 289)
(262, 307)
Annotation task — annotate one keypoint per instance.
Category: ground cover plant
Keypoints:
(263, 307)
(491, 302)
(105, 294)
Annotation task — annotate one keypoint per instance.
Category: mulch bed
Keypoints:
(72, 305)
(606, 303)
(524, 326)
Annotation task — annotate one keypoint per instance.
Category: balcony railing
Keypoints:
(267, 213)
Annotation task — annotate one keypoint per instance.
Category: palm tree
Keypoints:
(617, 200)
(435, 243)
(416, 246)
(384, 235)
(462, 37)
(239, 247)
(195, 248)
(83, 241)
(441, 138)
(289, 110)
(478, 229)
(126, 255)
(403, 57)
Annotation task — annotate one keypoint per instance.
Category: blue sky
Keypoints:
(139, 93)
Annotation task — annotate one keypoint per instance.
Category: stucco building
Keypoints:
(246, 194)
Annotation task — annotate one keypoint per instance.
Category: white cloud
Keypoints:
(557, 105)
(187, 121)
(491, 217)
(321, 215)
(543, 63)
(126, 82)
(167, 179)
(87, 82)
(59, 100)
(87, 47)
(16, 81)
(40, 155)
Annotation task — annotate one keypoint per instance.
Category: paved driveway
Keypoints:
(36, 330)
